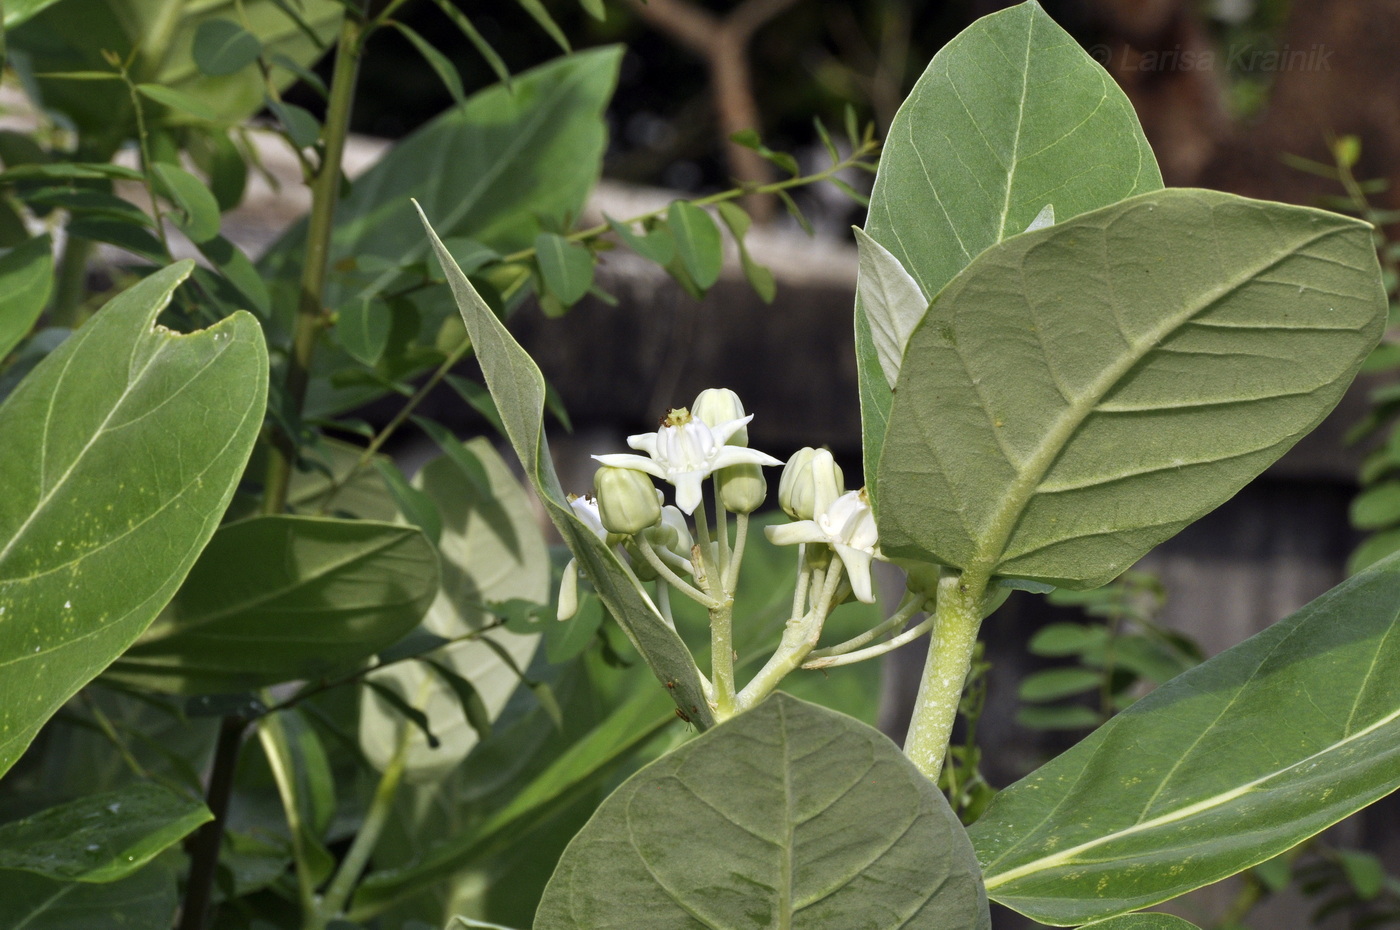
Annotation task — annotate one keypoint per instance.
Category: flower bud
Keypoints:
(742, 488)
(672, 533)
(714, 406)
(627, 500)
(811, 481)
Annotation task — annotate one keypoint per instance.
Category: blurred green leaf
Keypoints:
(491, 550)
(441, 65)
(567, 267)
(100, 838)
(98, 532)
(26, 280)
(1053, 684)
(222, 47)
(656, 244)
(363, 329)
(760, 278)
(280, 598)
(146, 899)
(297, 122)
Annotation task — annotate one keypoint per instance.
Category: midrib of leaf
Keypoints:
(44, 906)
(359, 555)
(1032, 472)
(469, 199)
(1067, 855)
(789, 821)
(1025, 71)
(97, 434)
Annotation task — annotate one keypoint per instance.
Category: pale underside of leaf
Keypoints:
(1081, 393)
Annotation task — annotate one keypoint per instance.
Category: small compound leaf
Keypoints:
(363, 329)
(178, 100)
(656, 244)
(567, 267)
(200, 220)
(697, 242)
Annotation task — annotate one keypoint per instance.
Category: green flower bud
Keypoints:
(742, 488)
(714, 406)
(627, 500)
(811, 481)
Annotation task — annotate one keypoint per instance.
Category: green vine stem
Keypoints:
(957, 618)
(325, 193)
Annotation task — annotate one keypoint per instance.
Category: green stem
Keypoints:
(736, 559)
(908, 607)
(799, 638)
(957, 618)
(71, 286)
(273, 738)
(325, 193)
(337, 895)
(676, 581)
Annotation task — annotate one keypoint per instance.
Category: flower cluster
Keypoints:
(709, 439)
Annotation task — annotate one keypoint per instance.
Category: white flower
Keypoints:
(585, 507)
(848, 527)
(685, 451)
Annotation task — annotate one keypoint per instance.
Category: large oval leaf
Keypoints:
(280, 598)
(790, 815)
(1034, 121)
(1081, 393)
(1221, 768)
(121, 451)
(492, 551)
(101, 837)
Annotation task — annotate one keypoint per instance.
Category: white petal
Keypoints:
(646, 442)
(738, 455)
(790, 534)
(857, 571)
(568, 591)
(723, 431)
(637, 462)
(688, 490)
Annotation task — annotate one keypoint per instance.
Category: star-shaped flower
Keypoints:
(685, 451)
(848, 527)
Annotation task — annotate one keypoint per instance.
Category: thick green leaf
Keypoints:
(102, 837)
(222, 47)
(1142, 922)
(122, 449)
(26, 279)
(567, 267)
(147, 899)
(279, 598)
(1206, 776)
(824, 824)
(697, 241)
(1034, 121)
(492, 551)
(519, 390)
(1081, 393)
